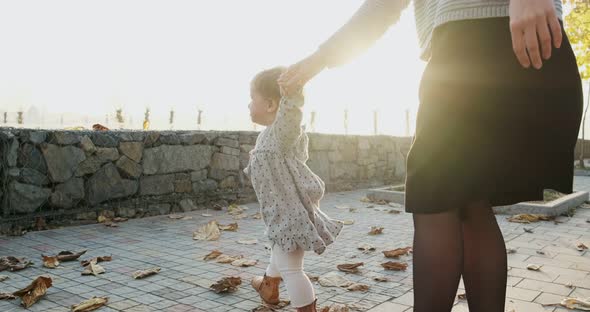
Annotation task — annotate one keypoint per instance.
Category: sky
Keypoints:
(80, 60)
(88, 58)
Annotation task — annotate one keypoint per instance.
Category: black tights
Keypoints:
(447, 246)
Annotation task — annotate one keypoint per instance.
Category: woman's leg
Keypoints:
(485, 264)
(298, 285)
(438, 260)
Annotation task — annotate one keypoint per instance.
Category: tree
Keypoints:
(578, 27)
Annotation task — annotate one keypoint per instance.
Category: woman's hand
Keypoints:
(297, 75)
(533, 24)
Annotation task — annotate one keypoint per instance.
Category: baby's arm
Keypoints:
(287, 124)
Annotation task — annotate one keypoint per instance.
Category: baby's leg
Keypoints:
(271, 269)
(290, 265)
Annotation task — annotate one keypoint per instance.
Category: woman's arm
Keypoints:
(363, 29)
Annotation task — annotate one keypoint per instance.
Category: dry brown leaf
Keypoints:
(365, 199)
(209, 232)
(226, 284)
(533, 267)
(244, 262)
(572, 304)
(252, 241)
(67, 255)
(395, 266)
(96, 260)
(14, 264)
(90, 304)
(120, 219)
(344, 207)
(93, 269)
(335, 307)
(365, 248)
(527, 230)
(540, 252)
(227, 258)
(212, 255)
(7, 296)
(217, 207)
(206, 215)
(348, 222)
(3, 278)
(393, 211)
(257, 215)
(581, 247)
(145, 273)
(313, 278)
(395, 253)
(32, 293)
(569, 285)
(350, 267)
(102, 219)
(50, 262)
(375, 230)
(175, 216)
(462, 296)
(234, 209)
(358, 287)
(381, 279)
(529, 218)
(110, 224)
(267, 307)
(230, 227)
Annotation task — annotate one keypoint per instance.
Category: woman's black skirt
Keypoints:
(487, 128)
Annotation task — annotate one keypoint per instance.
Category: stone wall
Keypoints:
(76, 175)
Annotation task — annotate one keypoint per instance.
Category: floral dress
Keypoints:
(288, 191)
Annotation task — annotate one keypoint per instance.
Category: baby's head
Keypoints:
(265, 96)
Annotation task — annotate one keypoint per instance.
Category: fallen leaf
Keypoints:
(50, 261)
(257, 215)
(342, 207)
(395, 253)
(14, 264)
(120, 219)
(333, 279)
(358, 287)
(540, 252)
(230, 227)
(581, 247)
(227, 284)
(175, 216)
(110, 224)
(375, 230)
(239, 216)
(528, 230)
(217, 207)
(353, 210)
(393, 211)
(96, 260)
(371, 206)
(3, 278)
(212, 255)
(365, 199)
(7, 296)
(33, 293)
(533, 267)
(395, 266)
(227, 258)
(244, 262)
(366, 248)
(267, 307)
(234, 209)
(569, 285)
(93, 269)
(145, 273)
(209, 232)
(187, 218)
(462, 296)
(206, 215)
(350, 267)
(380, 279)
(510, 250)
(313, 278)
(252, 241)
(529, 218)
(395, 205)
(102, 219)
(348, 222)
(572, 304)
(67, 255)
(90, 304)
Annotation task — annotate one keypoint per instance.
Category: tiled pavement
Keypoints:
(182, 284)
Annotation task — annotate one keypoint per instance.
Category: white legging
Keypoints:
(289, 266)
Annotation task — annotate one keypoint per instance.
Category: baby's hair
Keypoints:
(265, 82)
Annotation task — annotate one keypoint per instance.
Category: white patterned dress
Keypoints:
(288, 191)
